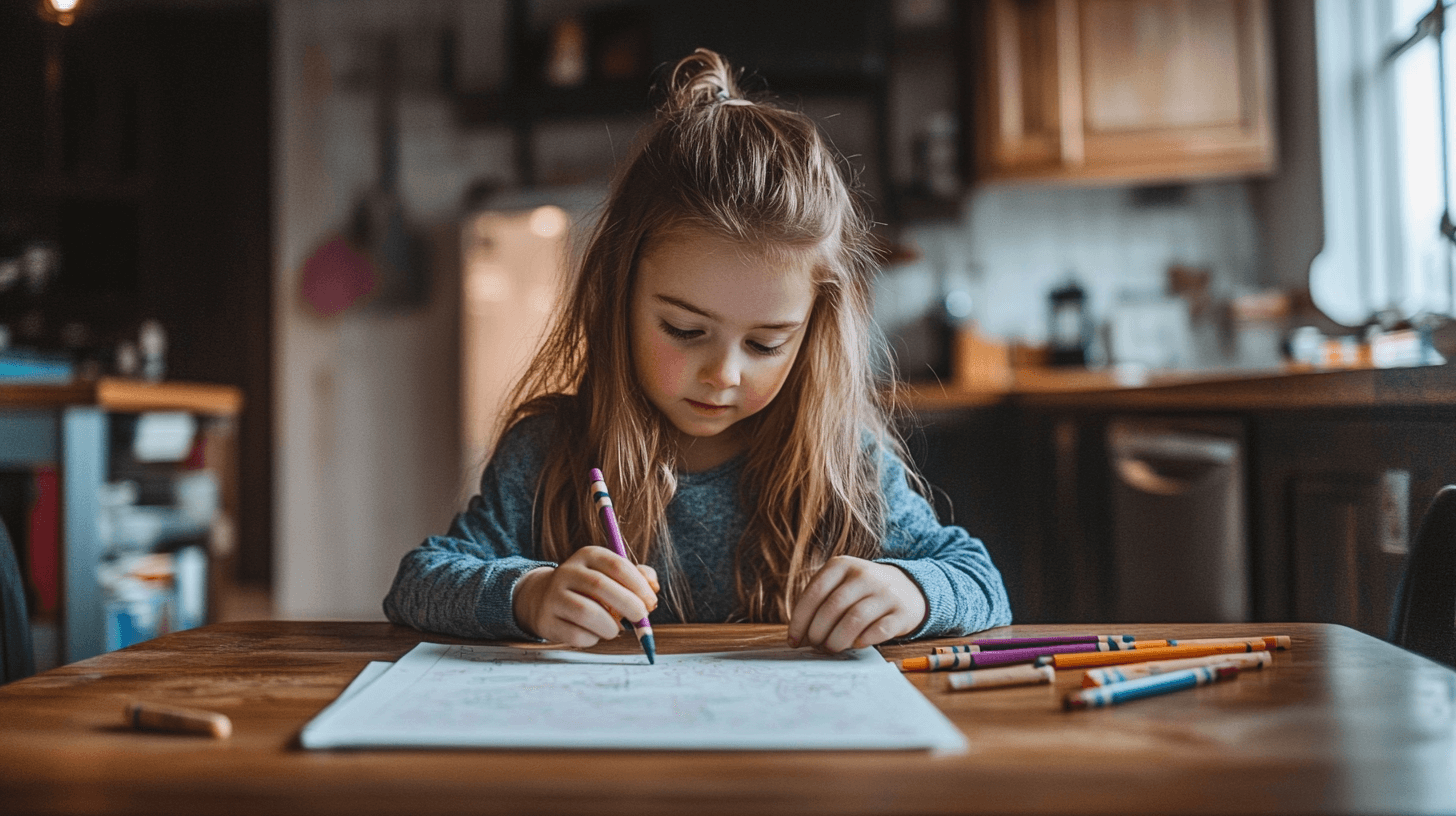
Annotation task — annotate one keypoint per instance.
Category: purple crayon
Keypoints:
(603, 499)
(999, 657)
(992, 644)
(946, 661)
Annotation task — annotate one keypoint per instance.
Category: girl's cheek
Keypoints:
(665, 364)
(765, 388)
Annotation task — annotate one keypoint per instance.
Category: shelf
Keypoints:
(120, 394)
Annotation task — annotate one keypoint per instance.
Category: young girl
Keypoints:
(714, 361)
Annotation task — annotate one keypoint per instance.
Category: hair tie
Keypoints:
(722, 94)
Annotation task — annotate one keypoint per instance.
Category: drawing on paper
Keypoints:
(499, 696)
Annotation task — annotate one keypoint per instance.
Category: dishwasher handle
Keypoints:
(1166, 463)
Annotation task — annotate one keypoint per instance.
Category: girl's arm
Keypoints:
(963, 589)
(461, 583)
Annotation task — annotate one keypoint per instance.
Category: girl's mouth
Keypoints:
(705, 408)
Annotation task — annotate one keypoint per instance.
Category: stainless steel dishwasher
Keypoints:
(1179, 542)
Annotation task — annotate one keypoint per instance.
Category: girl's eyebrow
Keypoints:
(698, 310)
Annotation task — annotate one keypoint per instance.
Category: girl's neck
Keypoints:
(699, 453)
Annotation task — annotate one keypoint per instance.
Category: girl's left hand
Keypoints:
(856, 603)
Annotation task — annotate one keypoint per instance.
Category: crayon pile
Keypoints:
(1118, 668)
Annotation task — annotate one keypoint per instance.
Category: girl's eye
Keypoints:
(680, 334)
(767, 351)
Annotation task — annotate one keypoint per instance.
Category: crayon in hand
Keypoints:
(603, 501)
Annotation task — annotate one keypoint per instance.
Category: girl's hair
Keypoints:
(756, 174)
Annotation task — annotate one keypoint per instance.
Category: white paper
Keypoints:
(371, 672)
(502, 697)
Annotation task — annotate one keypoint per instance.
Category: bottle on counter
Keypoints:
(1069, 329)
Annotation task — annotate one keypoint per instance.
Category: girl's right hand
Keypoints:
(582, 601)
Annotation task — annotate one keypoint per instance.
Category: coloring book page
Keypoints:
(501, 697)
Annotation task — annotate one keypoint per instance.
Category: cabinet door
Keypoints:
(1127, 90)
(1337, 502)
(1023, 106)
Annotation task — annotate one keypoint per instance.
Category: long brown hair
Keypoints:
(755, 173)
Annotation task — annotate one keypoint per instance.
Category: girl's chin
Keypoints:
(696, 427)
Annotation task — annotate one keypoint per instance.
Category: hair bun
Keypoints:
(702, 78)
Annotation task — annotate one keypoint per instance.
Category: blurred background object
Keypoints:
(353, 213)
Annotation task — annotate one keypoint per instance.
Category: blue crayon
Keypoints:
(1150, 686)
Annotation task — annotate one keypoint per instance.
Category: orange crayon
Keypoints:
(1083, 660)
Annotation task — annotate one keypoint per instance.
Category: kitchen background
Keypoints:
(246, 140)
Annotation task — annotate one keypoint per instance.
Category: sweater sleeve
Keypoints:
(963, 589)
(462, 583)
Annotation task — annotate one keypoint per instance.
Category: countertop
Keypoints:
(1231, 389)
(122, 394)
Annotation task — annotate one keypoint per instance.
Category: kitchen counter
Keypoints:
(1421, 387)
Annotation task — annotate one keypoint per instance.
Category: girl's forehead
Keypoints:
(730, 279)
(684, 249)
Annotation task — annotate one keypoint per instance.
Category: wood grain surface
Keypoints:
(1341, 723)
(123, 394)
(1421, 388)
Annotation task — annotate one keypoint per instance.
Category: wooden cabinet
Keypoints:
(1338, 499)
(1124, 90)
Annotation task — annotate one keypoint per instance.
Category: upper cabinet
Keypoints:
(1137, 91)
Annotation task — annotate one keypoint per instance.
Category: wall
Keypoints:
(1012, 244)
(366, 402)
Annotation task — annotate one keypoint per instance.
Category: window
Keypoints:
(1384, 89)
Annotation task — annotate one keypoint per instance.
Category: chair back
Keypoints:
(17, 658)
(1424, 617)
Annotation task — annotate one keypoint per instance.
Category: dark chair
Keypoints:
(17, 659)
(1424, 617)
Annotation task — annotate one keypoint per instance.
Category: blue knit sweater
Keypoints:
(461, 583)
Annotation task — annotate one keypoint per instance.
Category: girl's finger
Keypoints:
(605, 589)
(889, 625)
(651, 575)
(564, 630)
(806, 608)
(587, 613)
(841, 608)
(854, 621)
(621, 571)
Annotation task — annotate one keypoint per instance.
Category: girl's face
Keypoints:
(715, 329)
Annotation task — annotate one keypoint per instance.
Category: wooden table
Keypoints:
(1342, 723)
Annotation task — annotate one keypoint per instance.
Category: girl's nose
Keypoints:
(722, 370)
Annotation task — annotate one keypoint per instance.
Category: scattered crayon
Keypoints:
(1088, 659)
(956, 661)
(989, 644)
(1149, 686)
(1107, 645)
(150, 717)
(1132, 671)
(1005, 676)
(1271, 642)
(980, 660)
